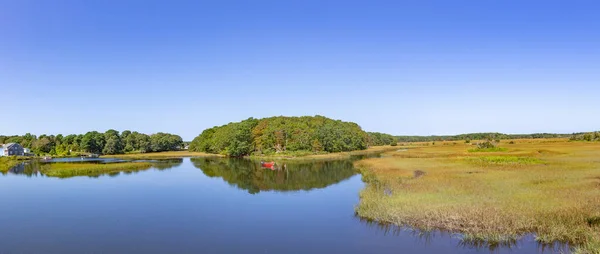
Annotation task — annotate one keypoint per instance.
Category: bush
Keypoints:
(394, 144)
(486, 145)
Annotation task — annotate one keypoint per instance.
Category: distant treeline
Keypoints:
(380, 139)
(109, 142)
(480, 136)
(588, 136)
(284, 134)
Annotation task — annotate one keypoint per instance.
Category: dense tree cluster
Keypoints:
(281, 134)
(109, 142)
(588, 136)
(480, 136)
(380, 139)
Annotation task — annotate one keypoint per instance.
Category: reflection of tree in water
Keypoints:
(27, 168)
(250, 176)
(167, 163)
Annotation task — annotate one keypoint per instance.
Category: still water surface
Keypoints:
(206, 205)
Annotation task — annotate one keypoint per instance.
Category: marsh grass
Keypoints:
(504, 160)
(65, 170)
(551, 189)
(488, 150)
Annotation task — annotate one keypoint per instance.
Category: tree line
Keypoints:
(480, 136)
(109, 142)
(282, 134)
(381, 139)
(587, 136)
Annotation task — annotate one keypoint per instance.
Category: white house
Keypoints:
(11, 149)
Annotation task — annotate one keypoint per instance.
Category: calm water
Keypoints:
(206, 206)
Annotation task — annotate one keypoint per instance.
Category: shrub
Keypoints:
(486, 145)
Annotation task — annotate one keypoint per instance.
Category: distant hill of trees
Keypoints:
(285, 134)
(109, 142)
(480, 136)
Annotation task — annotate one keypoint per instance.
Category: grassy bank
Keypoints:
(161, 155)
(6, 163)
(64, 170)
(547, 187)
(324, 156)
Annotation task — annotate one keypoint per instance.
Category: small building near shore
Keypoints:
(27, 152)
(12, 149)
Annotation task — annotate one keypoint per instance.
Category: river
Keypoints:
(208, 205)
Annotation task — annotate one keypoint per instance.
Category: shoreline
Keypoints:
(187, 154)
(327, 156)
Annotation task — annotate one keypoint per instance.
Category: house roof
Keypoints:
(8, 145)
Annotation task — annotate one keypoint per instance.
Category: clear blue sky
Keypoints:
(401, 67)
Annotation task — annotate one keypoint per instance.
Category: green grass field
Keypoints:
(547, 187)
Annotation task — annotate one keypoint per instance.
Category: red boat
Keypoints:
(270, 164)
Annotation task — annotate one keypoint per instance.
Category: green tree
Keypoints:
(111, 146)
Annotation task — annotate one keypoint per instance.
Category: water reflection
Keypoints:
(289, 176)
(27, 168)
(167, 163)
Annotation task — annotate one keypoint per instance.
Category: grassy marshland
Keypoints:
(64, 170)
(6, 163)
(547, 187)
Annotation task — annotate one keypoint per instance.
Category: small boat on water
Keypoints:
(46, 158)
(270, 164)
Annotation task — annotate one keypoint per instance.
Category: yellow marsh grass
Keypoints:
(549, 187)
(64, 170)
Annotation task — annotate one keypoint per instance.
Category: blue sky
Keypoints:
(401, 67)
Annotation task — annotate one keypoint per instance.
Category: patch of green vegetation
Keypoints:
(589, 136)
(488, 150)
(65, 170)
(593, 221)
(505, 160)
(276, 135)
(381, 139)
